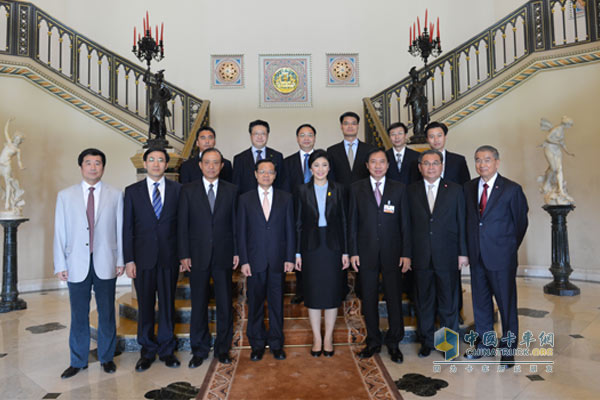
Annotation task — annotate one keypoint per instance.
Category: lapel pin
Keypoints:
(328, 193)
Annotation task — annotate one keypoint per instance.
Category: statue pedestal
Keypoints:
(10, 296)
(561, 264)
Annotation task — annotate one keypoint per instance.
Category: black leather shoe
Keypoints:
(71, 371)
(170, 361)
(224, 358)
(368, 352)
(196, 361)
(109, 367)
(316, 353)
(278, 354)
(143, 364)
(328, 353)
(507, 361)
(257, 354)
(424, 351)
(396, 355)
(297, 299)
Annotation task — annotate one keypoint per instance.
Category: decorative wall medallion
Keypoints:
(342, 69)
(285, 80)
(227, 71)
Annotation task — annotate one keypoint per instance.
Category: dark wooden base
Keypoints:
(566, 289)
(7, 306)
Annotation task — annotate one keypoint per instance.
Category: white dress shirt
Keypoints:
(161, 187)
(436, 186)
(263, 153)
(354, 144)
(261, 196)
(401, 152)
(302, 153)
(373, 184)
(490, 187)
(207, 184)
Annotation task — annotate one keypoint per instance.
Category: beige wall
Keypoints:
(512, 125)
(55, 134)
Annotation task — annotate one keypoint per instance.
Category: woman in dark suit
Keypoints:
(321, 248)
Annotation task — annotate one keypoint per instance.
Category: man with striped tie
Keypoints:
(298, 173)
(150, 253)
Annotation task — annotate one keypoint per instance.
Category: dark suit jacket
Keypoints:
(340, 169)
(455, 168)
(437, 238)
(372, 231)
(497, 235)
(307, 218)
(265, 243)
(294, 175)
(204, 236)
(409, 171)
(243, 169)
(190, 171)
(149, 241)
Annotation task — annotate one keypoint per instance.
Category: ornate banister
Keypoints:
(33, 33)
(537, 26)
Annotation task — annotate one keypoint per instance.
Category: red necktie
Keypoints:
(484, 199)
(90, 217)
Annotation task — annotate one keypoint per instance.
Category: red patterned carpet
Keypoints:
(300, 376)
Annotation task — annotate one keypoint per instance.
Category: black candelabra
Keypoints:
(422, 43)
(147, 48)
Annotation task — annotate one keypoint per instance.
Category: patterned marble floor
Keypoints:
(34, 352)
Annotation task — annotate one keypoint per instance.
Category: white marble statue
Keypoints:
(11, 192)
(553, 184)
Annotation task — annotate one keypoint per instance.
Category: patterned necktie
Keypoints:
(90, 217)
(399, 161)
(430, 197)
(484, 199)
(156, 201)
(351, 155)
(211, 197)
(258, 155)
(377, 193)
(307, 172)
(265, 205)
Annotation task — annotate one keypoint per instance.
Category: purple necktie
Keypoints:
(90, 217)
(377, 193)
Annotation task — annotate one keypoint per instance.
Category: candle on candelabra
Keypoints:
(134, 35)
(425, 26)
(162, 29)
(418, 26)
(156, 39)
(414, 32)
(438, 28)
(147, 23)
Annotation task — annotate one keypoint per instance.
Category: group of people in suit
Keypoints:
(318, 213)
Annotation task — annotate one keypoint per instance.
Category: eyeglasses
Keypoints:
(306, 135)
(259, 133)
(429, 164)
(346, 123)
(265, 172)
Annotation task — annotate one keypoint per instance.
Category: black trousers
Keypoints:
(436, 294)
(148, 283)
(502, 285)
(392, 289)
(261, 286)
(199, 332)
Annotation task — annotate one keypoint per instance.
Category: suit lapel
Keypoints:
(101, 201)
(299, 167)
(367, 189)
(329, 200)
(359, 150)
(312, 198)
(145, 197)
(169, 196)
(441, 196)
(423, 197)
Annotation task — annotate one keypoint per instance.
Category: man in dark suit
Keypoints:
(190, 169)
(206, 238)
(455, 170)
(403, 161)
(379, 242)
(266, 234)
(297, 173)
(496, 224)
(349, 157)
(244, 162)
(150, 253)
(437, 211)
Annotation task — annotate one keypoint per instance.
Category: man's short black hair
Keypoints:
(265, 160)
(349, 114)
(205, 128)
(436, 124)
(91, 152)
(212, 150)
(431, 151)
(306, 126)
(258, 122)
(152, 149)
(397, 125)
(375, 150)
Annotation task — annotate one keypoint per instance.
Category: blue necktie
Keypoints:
(258, 155)
(307, 172)
(156, 201)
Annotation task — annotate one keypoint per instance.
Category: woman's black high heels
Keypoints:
(316, 353)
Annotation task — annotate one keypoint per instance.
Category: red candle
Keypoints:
(162, 30)
(418, 26)
(139, 36)
(148, 22)
(438, 27)
(156, 38)
(425, 19)
(134, 35)
(144, 25)
(414, 32)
